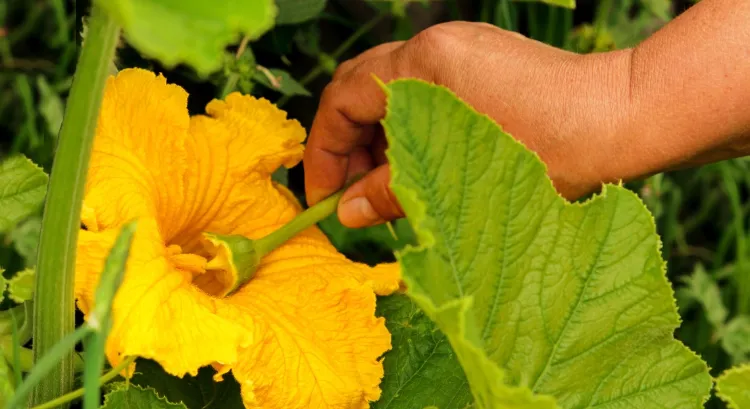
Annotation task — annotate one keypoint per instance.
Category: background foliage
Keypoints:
(701, 214)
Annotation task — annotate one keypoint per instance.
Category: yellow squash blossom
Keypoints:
(302, 333)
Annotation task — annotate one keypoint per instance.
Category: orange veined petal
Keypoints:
(316, 340)
(157, 312)
(307, 305)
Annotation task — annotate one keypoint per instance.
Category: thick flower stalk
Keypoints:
(302, 333)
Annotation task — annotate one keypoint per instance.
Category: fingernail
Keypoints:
(358, 212)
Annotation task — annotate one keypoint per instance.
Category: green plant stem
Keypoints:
(16, 351)
(70, 396)
(337, 53)
(42, 367)
(741, 273)
(54, 308)
(506, 20)
(303, 221)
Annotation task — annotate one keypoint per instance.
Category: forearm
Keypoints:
(690, 90)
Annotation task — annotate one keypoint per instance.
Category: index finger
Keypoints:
(350, 108)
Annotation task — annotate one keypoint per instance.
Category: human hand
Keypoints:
(562, 105)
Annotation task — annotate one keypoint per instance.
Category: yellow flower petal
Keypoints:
(157, 313)
(316, 341)
(302, 333)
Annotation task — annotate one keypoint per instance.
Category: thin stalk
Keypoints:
(43, 367)
(16, 350)
(337, 53)
(26, 356)
(71, 396)
(505, 19)
(54, 307)
(303, 221)
(741, 276)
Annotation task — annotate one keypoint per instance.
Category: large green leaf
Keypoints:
(421, 369)
(190, 31)
(22, 189)
(125, 396)
(298, 11)
(546, 303)
(199, 391)
(733, 387)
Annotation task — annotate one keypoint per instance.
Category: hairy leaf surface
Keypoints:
(125, 396)
(190, 31)
(546, 303)
(22, 188)
(421, 369)
(733, 387)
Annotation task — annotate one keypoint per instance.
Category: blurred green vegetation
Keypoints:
(701, 214)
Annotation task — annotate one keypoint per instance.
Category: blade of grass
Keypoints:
(16, 350)
(100, 319)
(741, 275)
(46, 364)
(70, 396)
(54, 306)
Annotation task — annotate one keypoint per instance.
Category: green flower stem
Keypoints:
(303, 221)
(44, 366)
(70, 396)
(54, 306)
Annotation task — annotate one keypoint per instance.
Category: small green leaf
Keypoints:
(125, 396)
(421, 369)
(547, 304)
(21, 286)
(280, 80)
(703, 288)
(7, 380)
(190, 31)
(25, 238)
(370, 245)
(298, 11)
(22, 189)
(199, 391)
(50, 106)
(733, 387)
(735, 338)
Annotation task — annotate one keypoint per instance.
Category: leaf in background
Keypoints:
(735, 338)
(21, 286)
(701, 287)
(281, 81)
(7, 380)
(190, 31)
(6, 319)
(370, 244)
(3, 285)
(194, 391)
(22, 188)
(298, 11)
(545, 303)
(571, 4)
(50, 106)
(307, 39)
(124, 396)
(25, 238)
(421, 370)
(733, 387)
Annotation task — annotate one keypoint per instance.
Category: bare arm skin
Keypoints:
(681, 98)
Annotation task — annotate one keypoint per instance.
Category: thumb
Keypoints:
(370, 201)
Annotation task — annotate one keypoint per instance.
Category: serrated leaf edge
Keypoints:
(426, 239)
(741, 369)
(120, 386)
